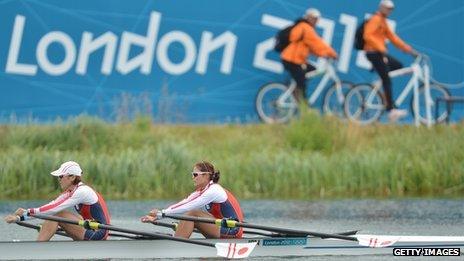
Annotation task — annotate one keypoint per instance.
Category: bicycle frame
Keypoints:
(420, 73)
(329, 73)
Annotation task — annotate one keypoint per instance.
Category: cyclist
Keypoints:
(304, 40)
(376, 32)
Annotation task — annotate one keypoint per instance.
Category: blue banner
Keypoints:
(188, 61)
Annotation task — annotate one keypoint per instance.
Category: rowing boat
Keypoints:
(266, 246)
(157, 245)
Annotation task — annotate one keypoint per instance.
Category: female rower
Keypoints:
(209, 200)
(89, 204)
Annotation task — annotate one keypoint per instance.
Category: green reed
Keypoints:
(312, 157)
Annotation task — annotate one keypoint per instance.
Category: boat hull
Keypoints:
(169, 249)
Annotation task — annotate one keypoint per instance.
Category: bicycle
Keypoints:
(365, 102)
(275, 103)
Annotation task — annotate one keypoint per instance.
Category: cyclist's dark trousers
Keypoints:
(298, 71)
(382, 68)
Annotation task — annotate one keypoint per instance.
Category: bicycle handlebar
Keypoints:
(415, 53)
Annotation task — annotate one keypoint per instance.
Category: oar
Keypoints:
(173, 226)
(229, 250)
(25, 224)
(371, 242)
(62, 233)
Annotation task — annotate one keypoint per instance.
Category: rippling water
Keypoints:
(398, 217)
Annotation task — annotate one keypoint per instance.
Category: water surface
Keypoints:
(393, 217)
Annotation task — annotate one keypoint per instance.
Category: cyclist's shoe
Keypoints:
(396, 114)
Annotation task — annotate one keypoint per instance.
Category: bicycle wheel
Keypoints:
(268, 106)
(363, 104)
(436, 91)
(334, 104)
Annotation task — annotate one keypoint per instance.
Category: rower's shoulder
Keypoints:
(216, 186)
(218, 190)
(85, 189)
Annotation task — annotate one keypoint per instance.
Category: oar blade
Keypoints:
(377, 241)
(235, 250)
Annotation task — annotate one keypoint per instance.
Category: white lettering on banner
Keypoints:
(89, 46)
(162, 52)
(327, 27)
(12, 65)
(144, 59)
(69, 53)
(208, 45)
(124, 63)
(260, 61)
(347, 45)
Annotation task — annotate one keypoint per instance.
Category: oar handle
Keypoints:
(172, 226)
(195, 219)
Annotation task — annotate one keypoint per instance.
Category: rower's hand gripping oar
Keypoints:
(363, 241)
(229, 250)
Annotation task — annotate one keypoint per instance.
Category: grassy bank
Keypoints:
(310, 158)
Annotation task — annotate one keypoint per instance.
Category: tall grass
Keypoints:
(312, 157)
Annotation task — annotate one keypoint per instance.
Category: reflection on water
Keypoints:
(400, 217)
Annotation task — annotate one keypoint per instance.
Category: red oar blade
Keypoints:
(235, 250)
(377, 241)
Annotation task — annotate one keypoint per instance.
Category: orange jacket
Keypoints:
(376, 31)
(304, 41)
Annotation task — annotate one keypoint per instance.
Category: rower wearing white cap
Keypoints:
(376, 32)
(89, 204)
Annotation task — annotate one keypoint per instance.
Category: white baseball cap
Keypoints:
(67, 169)
(387, 3)
(313, 12)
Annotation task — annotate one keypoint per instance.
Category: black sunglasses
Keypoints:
(61, 176)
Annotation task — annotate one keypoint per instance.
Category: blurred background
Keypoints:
(186, 61)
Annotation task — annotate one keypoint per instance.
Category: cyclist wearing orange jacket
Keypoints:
(376, 32)
(303, 42)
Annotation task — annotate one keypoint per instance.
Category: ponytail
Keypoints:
(215, 176)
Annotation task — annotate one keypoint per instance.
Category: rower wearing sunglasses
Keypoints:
(89, 204)
(209, 200)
